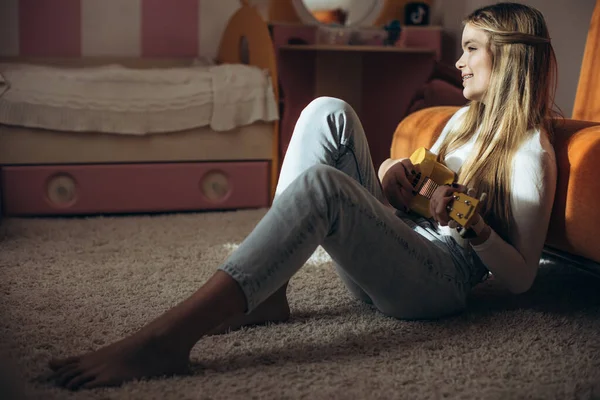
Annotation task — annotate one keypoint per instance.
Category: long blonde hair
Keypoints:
(518, 100)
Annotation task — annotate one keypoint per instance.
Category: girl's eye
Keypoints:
(471, 48)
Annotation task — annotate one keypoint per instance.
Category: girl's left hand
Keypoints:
(441, 197)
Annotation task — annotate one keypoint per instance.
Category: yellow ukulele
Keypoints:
(433, 174)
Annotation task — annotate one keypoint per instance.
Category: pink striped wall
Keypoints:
(170, 28)
(147, 28)
(50, 28)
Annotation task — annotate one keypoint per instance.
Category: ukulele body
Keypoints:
(432, 175)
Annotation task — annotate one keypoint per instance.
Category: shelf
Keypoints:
(359, 48)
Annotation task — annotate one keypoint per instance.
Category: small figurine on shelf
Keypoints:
(394, 29)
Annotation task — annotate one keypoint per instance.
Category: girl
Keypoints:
(328, 194)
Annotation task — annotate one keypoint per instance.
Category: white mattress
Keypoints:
(120, 100)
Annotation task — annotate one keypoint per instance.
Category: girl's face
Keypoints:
(475, 63)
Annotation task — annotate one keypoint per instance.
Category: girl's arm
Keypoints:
(385, 166)
(533, 188)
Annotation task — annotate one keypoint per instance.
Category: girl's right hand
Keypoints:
(397, 186)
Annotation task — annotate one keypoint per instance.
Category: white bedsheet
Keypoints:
(116, 99)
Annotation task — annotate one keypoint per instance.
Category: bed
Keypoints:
(60, 166)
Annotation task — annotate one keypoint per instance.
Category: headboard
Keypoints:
(247, 28)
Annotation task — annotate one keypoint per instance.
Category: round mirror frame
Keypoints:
(306, 16)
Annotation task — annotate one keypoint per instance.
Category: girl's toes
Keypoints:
(67, 374)
(56, 364)
(80, 380)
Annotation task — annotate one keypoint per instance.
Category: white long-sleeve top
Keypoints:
(532, 195)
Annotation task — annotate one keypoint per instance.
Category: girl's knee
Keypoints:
(325, 105)
(326, 121)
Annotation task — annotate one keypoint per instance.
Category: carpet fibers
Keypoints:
(72, 285)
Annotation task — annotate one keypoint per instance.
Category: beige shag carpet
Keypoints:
(74, 284)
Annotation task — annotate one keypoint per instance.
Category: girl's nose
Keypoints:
(460, 63)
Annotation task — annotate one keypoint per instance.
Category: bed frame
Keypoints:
(47, 172)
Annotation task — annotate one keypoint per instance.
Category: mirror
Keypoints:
(338, 12)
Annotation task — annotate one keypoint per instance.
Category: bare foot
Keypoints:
(134, 357)
(160, 348)
(273, 310)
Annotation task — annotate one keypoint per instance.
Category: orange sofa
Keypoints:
(574, 231)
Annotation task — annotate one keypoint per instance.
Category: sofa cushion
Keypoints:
(435, 93)
(575, 220)
(420, 128)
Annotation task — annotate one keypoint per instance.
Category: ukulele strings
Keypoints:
(427, 188)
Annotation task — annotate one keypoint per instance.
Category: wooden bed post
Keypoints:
(247, 24)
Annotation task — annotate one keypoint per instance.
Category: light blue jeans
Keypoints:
(329, 194)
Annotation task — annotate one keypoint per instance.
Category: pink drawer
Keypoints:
(124, 188)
